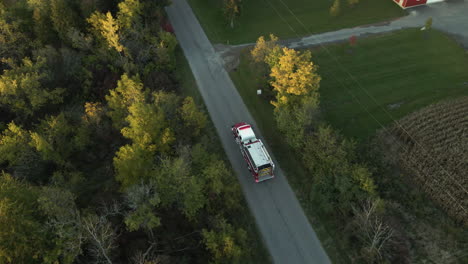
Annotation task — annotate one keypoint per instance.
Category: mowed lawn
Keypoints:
(381, 79)
(287, 18)
(385, 78)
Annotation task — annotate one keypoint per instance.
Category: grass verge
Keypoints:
(262, 17)
(188, 86)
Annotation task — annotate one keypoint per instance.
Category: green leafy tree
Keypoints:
(21, 88)
(129, 13)
(57, 139)
(338, 182)
(13, 144)
(13, 43)
(225, 243)
(335, 9)
(128, 91)
(165, 50)
(194, 120)
(177, 186)
(23, 236)
(42, 20)
(133, 164)
(142, 200)
(63, 17)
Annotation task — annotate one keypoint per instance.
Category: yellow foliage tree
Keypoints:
(263, 48)
(294, 75)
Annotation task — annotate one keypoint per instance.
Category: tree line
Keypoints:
(340, 184)
(102, 159)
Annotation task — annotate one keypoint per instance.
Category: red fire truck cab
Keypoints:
(255, 154)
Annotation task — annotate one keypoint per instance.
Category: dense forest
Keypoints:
(102, 159)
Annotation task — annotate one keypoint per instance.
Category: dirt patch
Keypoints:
(230, 55)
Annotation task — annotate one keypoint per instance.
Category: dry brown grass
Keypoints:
(433, 149)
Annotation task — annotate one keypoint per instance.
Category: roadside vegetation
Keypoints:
(362, 209)
(238, 22)
(105, 156)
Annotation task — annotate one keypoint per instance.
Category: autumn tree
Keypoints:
(266, 51)
(295, 81)
(21, 87)
(225, 242)
(106, 27)
(335, 9)
(232, 10)
(194, 120)
(129, 90)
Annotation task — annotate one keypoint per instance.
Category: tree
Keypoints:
(375, 235)
(63, 17)
(335, 9)
(224, 242)
(57, 138)
(263, 49)
(64, 219)
(194, 120)
(128, 91)
(106, 27)
(13, 43)
(295, 80)
(101, 235)
(339, 182)
(13, 144)
(232, 10)
(142, 200)
(23, 236)
(166, 50)
(133, 164)
(129, 13)
(177, 186)
(21, 87)
(294, 75)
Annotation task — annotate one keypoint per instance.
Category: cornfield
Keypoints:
(434, 150)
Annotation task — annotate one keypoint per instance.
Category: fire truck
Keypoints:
(255, 154)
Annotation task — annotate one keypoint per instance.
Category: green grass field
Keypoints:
(288, 18)
(387, 77)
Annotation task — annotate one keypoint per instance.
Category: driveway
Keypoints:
(285, 229)
(450, 16)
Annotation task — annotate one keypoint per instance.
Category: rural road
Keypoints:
(285, 229)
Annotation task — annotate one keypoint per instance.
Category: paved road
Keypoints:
(450, 17)
(279, 217)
